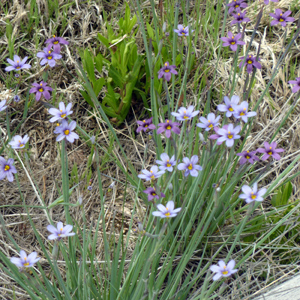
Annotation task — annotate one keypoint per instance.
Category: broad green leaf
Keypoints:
(98, 85)
(150, 31)
(99, 62)
(89, 64)
(103, 40)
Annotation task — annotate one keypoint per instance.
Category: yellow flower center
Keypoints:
(18, 67)
(49, 57)
(41, 90)
(167, 70)
(210, 126)
(270, 152)
(249, 61)
(63, 116)
(236, 6)
(21, 145)
(26, 264)
(225, 272)
(247, 156)
(168, 165)
(67, 132)
(242, 113)
(185, 117)
(232, 43)
(153, 194)
(253, 196)
(56, 42)
(190, 167)
(6, 168)
(54, 35)
(152, 177)
(230, 108)
(167, 214)
(169, 127)
(281, 20)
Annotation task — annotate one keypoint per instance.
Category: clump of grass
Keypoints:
(189, 213)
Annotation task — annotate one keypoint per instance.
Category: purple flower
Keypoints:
(232, 41)
(241, 112)
(281, 18)
(61, 113)
(270, 150)
(145, 124)
(18, 142)
(17, 64)
(209, 123)
(247, 156)
(168, 126)
(229, 105)
(251, 195)
(55, 43)
(296, 88)
(152, 193)
(267, 1)
(239, 18)
(190, 167)
(48, 56)
(7, 169)
(152, 174)
(166, 71)
(229, 135)
(166, 163)
(60, 231)
(185, 114)
(2, 105)
(222, 270)
(167, 211)
(17, 98)
(40, 89)
(251, 63)
(65, 130)
(25, 261)
(182, 31)
(236, 4)
(216, 136)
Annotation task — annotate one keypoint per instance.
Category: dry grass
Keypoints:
(44, 169)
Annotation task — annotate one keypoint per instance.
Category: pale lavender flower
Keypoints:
(251, 195)
(145, 125)
(7, 169)
(61, 113)
(251, 63)
(216, 136)
(60, 231)
(209, 123)
(166, 163)
(240, 18)
(89, 188)
(267, 1)
(168, 126)
(25, 261)
(232, 41)
(167, 211)
(55, 41)
(182, 31)
(248, 156)
(296, 88)
(185, 114)
(222, 270)
(270, 150)
(281, 18)
(190, 166)
(65, 130)
(166, 71)
(229, 106)
(40, 89)
(152, 174)
(151, 192)
(229, 135)
(235, 5)
(17, 142)
(241, 112)
(2, 105)
(48, 56)
(17, 64)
